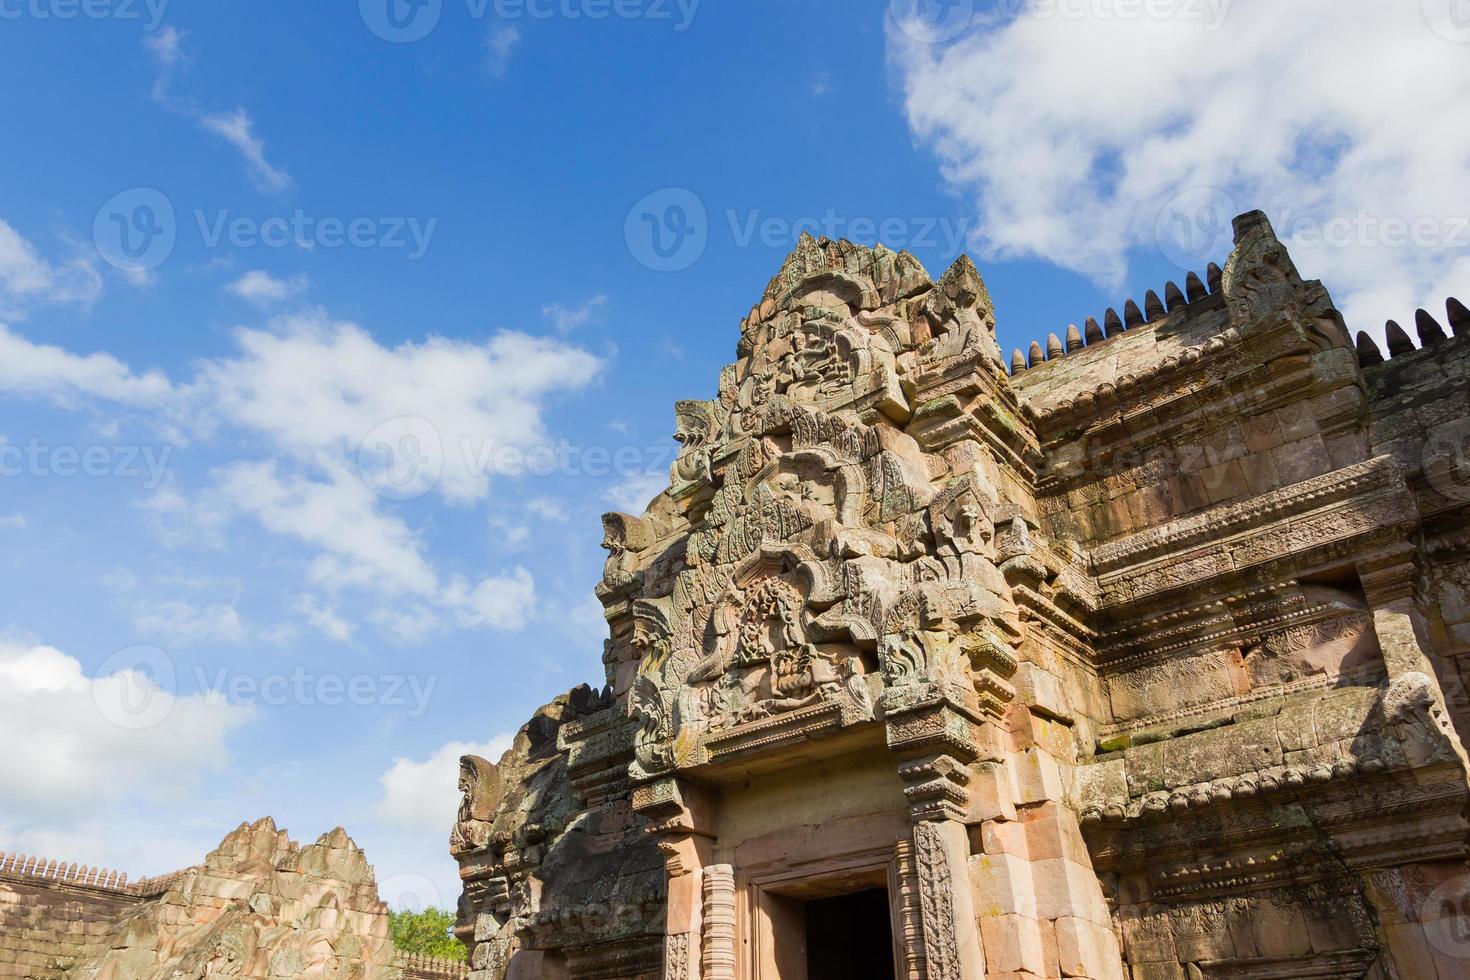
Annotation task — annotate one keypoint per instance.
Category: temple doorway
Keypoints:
(849, 937)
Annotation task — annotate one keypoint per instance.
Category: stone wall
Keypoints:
(259, 905)
(53, 915)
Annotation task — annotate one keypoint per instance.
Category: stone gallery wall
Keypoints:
(260, 905)
(53, 916)
(1141, 654)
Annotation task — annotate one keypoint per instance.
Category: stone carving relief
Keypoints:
(821, 542)
(479, 787)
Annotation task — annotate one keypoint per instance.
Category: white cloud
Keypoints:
(237, 129)
(13, 522)
(55, 374)
(181, 622)
(361, 546)
(26, 278)
(1074, 159)
(76, 745)
(502, 602)
(322, 397)
(633, 494)
(568, 318)
(166, 47)
(316, 386)
(408, 622)
(263, 289)
(548, 509)
(120, 580)
(324, 618)
(181, 522)
(424, 795)
(499, 46)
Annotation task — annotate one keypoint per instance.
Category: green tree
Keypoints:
(429, 931)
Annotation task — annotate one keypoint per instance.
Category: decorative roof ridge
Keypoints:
(1154, 309)
(425, 963)
(1430, 332)
(104, 879)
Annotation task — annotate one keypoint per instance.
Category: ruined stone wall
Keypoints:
(259, 905)
(53, 915)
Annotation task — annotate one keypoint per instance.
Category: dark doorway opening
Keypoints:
(849, 937)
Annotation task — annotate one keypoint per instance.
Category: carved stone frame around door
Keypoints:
(770, 897)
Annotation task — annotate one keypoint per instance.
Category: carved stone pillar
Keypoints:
(718, 955)
(951, 941)
(908, 914)
(682, 815)
(936, 740)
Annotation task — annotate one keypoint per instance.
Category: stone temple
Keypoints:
(1141, 656)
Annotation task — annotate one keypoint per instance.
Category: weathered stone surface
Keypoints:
(1141, 658)
(259, 905)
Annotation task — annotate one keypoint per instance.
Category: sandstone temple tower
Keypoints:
(1141, 657)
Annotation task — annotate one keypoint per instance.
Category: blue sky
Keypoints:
(195, 518)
